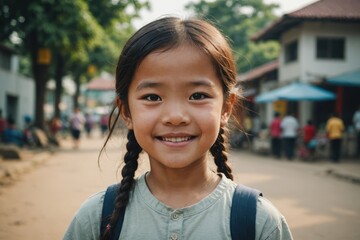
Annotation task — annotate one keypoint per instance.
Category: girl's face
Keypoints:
(176, 107)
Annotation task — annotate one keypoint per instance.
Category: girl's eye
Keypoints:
(198, 96)
(152, 97)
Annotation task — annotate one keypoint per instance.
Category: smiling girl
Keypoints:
(175, 92)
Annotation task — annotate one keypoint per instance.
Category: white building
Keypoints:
(318, 42)
(17, 93)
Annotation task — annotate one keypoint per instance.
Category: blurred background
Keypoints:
(297, 57)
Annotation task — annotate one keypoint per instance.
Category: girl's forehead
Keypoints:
(182, 64)
(176, 57)
(184, 48)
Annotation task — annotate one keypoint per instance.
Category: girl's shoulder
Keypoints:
(270, 223)
(86, 222)
(92, 204)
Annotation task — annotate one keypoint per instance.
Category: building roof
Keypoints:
(101, 84)
(259, 71)
(345, 11)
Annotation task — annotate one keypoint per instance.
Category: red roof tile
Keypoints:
(259, 71)
(324, 10)
(330, 9)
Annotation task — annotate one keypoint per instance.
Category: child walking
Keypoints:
(175, 92)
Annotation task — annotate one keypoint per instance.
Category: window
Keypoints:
(291, 51)
(330, 48)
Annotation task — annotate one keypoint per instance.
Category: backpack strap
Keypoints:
(243, 213)
(108, 208)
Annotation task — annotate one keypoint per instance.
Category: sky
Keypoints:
(177, 8)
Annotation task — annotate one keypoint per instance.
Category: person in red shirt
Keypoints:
(275, 132)
(309, 132)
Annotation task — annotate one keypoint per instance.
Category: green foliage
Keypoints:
(78, 33)
(239, 20)
(82, 31)
(115, 20)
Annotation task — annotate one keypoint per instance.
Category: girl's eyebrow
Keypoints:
(147, 84)
(196, 83)
(202, 83)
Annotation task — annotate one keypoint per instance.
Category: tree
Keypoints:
(115, 21)
(63, 29)
(43, 26)
(239, 20)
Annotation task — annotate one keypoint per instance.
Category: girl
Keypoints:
(175, 91)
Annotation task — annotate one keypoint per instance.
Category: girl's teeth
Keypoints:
(176, 139)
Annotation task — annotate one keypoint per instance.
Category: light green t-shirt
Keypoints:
(148, 218)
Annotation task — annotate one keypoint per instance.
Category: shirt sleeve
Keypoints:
(86, 222)
(270, 223)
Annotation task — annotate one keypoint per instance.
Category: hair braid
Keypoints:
(218, 150)
(128, 173)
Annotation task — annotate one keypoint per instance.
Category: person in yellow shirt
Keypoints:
(334, 129)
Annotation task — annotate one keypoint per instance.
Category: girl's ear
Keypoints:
(124, 113)
(227, 108)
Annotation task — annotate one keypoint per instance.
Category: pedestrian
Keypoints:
(77, 121)
(55, 126)
(334, 129)
(175, 91)
(12, 135)
(104, 120)
(289, 128)
(356, 121)
(275, 133)
(3, 125)
(309, 141)
(89, 124)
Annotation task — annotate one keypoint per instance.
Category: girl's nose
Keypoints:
(175, 114)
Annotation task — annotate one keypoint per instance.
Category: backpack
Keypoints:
(242, 218)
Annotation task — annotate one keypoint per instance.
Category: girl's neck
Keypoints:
(182, 189)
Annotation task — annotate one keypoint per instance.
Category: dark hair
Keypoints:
(162, 35)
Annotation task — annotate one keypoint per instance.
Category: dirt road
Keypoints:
(42, 203)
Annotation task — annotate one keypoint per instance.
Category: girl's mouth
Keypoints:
(175, 139)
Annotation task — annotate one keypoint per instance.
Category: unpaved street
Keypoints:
(42, 202)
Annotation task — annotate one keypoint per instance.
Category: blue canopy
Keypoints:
(349, 79)
(296, 92)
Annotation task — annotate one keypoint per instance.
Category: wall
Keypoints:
(313, 68)
(21, 87)
(290, 72)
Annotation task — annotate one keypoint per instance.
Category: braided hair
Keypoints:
(127, 182)
(219, 151)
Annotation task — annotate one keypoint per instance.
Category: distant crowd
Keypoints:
(287, 138)
(72, 125)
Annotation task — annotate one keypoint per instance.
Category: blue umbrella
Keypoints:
(349, 79)
(296, 92)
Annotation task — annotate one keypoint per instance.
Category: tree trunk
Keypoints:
(41, 75)
(58, 82)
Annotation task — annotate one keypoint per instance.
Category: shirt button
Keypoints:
(173, 237)
(175, 216)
